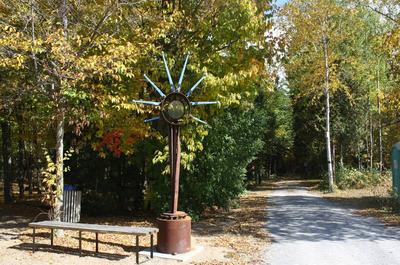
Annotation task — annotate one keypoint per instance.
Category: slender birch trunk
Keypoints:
(379, 125)
(327, 113)
(371, 140)
(334, 159)
(341, 155)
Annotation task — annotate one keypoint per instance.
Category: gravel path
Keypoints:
(309, 230)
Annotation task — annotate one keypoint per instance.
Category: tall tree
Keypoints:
(315, 30)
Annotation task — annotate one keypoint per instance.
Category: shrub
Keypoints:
(351, 178)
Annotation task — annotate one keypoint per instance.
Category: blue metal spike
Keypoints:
(159, 91)
(194, 87)
(196, 103)
(198, 120)
(182, 73)
(171, 83)
(144, 102)
(152, 119)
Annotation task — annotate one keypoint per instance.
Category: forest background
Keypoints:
(310, 89)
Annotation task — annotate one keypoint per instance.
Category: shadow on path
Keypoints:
(298, 215)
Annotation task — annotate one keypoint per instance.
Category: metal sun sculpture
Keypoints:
(175, 108)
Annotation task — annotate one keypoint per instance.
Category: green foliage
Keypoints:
(351, 178)
(219, 174)
(278, 135)
(87, 70)
(360, 77)
(49, 180)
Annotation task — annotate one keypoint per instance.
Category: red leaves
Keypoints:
(112, 141)
(118, 141)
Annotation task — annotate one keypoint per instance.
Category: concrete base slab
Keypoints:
(179, 257)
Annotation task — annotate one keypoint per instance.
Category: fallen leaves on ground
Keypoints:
(240, 233)
(240, 230)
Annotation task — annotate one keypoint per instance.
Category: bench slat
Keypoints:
(96, 228)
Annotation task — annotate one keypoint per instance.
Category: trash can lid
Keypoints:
(69, 187)
(397, 146)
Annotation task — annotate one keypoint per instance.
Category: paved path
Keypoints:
(309, 230)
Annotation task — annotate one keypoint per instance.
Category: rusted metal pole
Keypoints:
(175, 160)
(171, 163)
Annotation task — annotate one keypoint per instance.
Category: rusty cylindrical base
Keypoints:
(174, 236)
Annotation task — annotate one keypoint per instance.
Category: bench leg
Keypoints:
(151, 246)
(33, 236)
(51, 237)
(97, 242)
(137, 249)
(80, 243)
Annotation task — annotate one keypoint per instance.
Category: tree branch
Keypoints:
(387, 16)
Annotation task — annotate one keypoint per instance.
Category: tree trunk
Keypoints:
(341, 156)
(327, 114)
(28, 167)
(35, 64)
(371, 141)
(21, 156)
(58, 205)
(7, 161)
(30, 177)
(379, 126)
(334, 160)
(21, 164)
(64, 17)
(35, 163)
(367, 145)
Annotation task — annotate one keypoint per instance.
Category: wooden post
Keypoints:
(137, 249)
(97, 242)
(151, 245)
(80, 243)
(33, 236)
(51, 236)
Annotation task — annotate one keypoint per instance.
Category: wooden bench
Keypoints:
(137, 231)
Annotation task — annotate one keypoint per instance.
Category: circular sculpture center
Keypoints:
(175, 107)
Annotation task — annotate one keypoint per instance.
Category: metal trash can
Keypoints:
(71, 204)
(396, 168)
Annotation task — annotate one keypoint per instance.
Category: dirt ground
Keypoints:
(235, 237)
